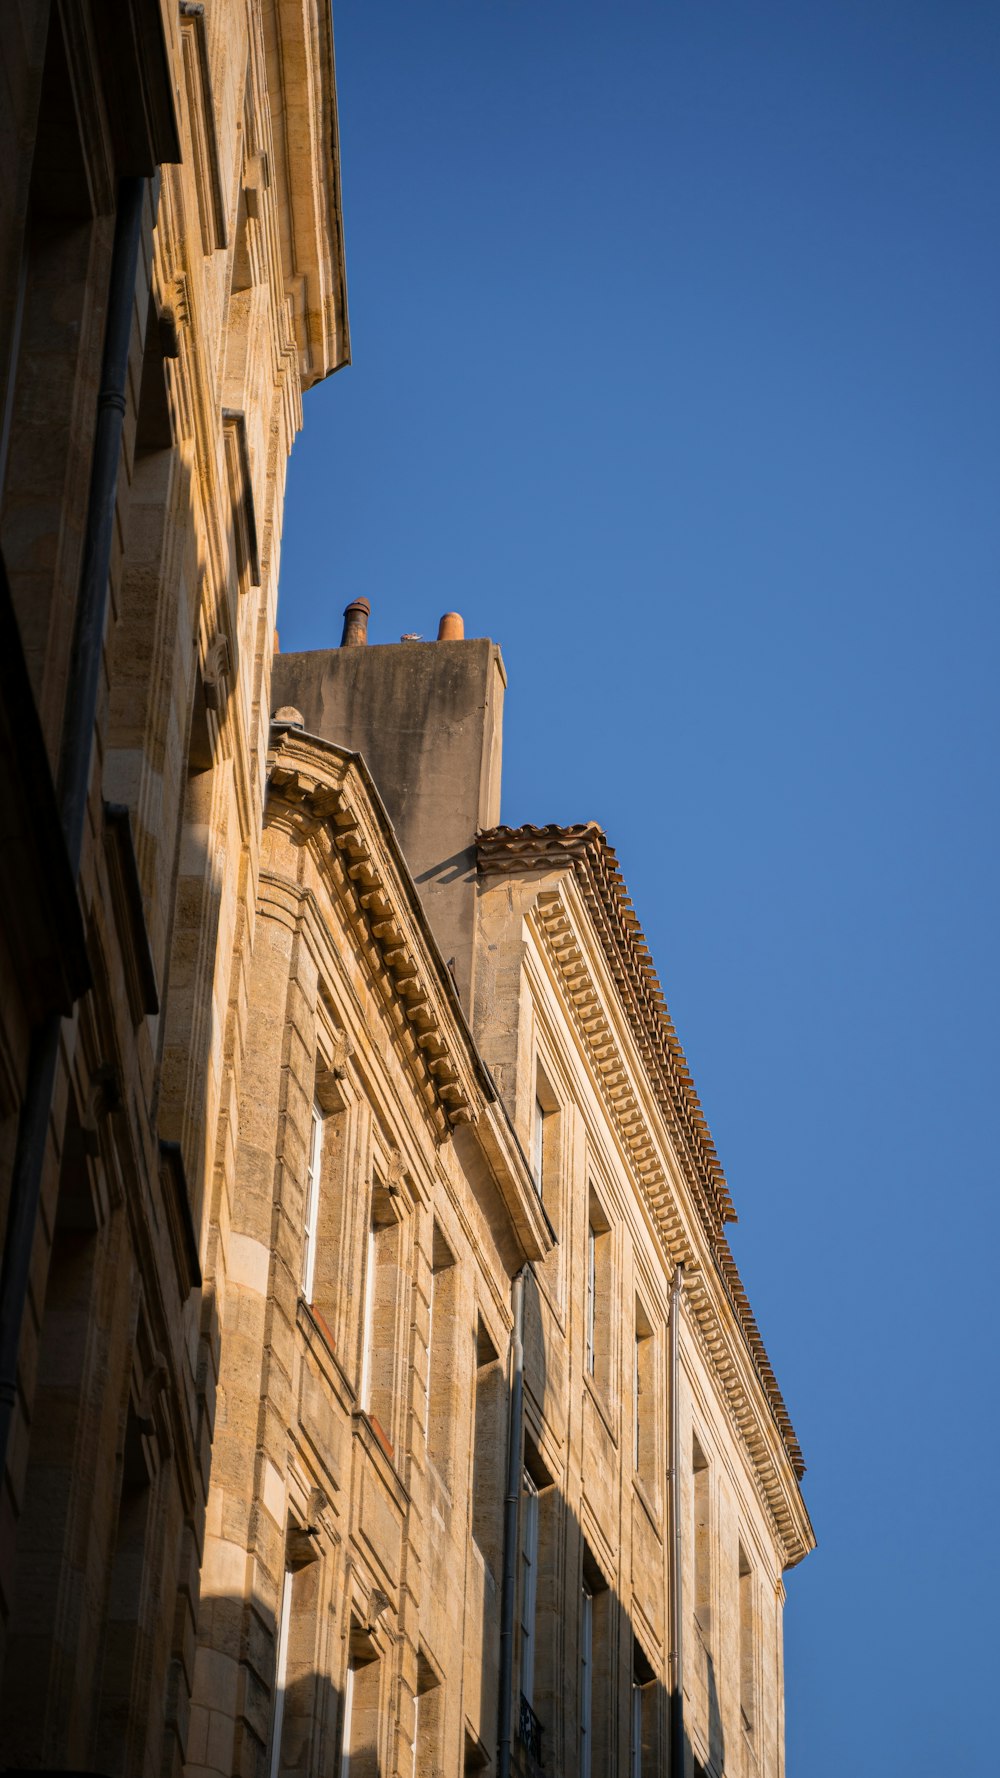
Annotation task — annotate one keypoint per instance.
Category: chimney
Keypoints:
(451, 628)
(427, 716)
(356, 616)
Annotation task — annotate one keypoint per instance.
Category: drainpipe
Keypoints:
(512, 1503)
(74, 776)
(674, 1551)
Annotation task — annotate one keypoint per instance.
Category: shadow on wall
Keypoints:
(118, 1408)
(596, 1704)
(101, 1618)
(589, 1695)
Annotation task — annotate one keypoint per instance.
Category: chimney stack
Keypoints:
(356, 617)
(428, 721)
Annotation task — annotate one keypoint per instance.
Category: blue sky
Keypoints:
(677, 371)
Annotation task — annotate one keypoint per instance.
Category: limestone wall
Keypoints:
(237, 305)
(361, 1432)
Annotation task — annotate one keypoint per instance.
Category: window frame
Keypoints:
(281, 1670)
(529, 1584)
(538, 1145)
(310, 1211)
(586, 1680)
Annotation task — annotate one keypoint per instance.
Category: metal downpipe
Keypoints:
(512, 1502)
(74, 777)
(675, 1548)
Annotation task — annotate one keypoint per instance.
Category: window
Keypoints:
(591, 1297)
(368, 1318)
(335, 1164)
(293, 1718)
(595, 1671)
(359, 1722)
(123, 1640)
(380, 1314)
(635, 1764)
(538, 1145)
(645, 1738)
(427, 1721)
(598, 1306)
(701, 1539)
(441, 1404)
(586, 1681)
(545, 1142)
(542, 1602)
(644, 1399)
(748, 1661)
(311, 1217)
(347, 1723)
(529, 1584)
(489, 1452)
(281, 1671)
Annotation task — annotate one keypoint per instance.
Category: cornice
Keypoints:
(726, 1328)
(773, 1454)
(585, 850)
(309, 784)
(325, 794)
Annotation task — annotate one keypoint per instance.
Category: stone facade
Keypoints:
(171, 280)
(658, 1497)
(383, 1206)
(377, 1390)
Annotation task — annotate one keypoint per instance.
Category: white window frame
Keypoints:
(281, 1671)
(427, 1353)
(345, 1727)
(636, 1760)
(636, 1427)
(311, 1218)
(586, 1682)
(591, 1299)
(367, 1320)
(538, 1145)
(529, 1584)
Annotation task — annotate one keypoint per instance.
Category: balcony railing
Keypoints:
(529, 1731)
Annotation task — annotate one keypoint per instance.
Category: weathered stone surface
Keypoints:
(261, 1449)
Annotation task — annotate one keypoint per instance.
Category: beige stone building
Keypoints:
(171, 280)
(548, 1283)
(377, 1390)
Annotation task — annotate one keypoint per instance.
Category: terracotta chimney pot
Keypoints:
(451, 628)
(356, 616)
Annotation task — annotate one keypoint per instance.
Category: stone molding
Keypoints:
(731, 1343)
(585, 850)
(312, 784)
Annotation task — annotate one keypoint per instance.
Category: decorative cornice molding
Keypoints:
(729, 1346)
(557, 930)
(319, 805)
(584, 849)
(781, 1499)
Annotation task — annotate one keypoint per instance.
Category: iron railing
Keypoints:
(529, 1731)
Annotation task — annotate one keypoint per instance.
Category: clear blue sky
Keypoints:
(677, 370)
